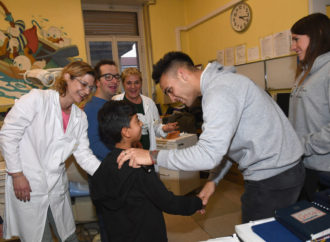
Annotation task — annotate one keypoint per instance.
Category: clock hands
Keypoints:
(243, 17)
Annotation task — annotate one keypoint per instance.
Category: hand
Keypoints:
(169, 127)
(202, 211)
(21, 185)
(207, 191)
(136, 157)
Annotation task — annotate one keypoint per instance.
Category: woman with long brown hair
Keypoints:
(309, 110)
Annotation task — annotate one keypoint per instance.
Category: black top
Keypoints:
(132, 200)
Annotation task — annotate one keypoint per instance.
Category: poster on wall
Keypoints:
(27, 46)
(282, 43)
(221, 57)
(240, 54)
(253, 54)
(266, 45)
(229, 56)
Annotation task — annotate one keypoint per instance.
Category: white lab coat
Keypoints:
(150, 118)
(32, 140)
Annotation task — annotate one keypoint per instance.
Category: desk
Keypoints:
(268, 230)
(224, 239)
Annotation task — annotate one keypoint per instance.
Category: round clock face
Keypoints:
(241, 17)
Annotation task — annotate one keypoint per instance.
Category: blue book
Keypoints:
(306, 220)
(273, 231)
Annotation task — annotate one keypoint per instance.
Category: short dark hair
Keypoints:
(101, 63)
(112, 117)
(171, 59)
(317, 27)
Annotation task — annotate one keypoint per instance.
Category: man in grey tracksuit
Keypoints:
(240, 121)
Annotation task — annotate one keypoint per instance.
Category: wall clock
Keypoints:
(241, 16)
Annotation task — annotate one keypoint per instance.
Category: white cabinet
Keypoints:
(179, 182)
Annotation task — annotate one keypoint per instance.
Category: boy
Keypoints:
(132, 200)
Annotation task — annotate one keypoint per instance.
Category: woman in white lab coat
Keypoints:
(40, 132)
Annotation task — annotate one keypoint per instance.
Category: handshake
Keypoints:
(205, 194)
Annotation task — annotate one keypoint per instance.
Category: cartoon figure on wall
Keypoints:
(23, 50)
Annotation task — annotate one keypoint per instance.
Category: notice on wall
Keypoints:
(266, 45)
(229, 56)
(253, 54)
(240, 55)
(282, 43)
(221, 57)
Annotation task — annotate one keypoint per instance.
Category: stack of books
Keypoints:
(303, 221)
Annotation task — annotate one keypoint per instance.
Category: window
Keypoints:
(115, 35)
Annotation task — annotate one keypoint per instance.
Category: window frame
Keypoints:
(118, 38)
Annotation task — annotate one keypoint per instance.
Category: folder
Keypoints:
(273, 231)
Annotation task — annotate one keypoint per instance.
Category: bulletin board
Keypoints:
(281, 72)
(255, 71)
(276, 73)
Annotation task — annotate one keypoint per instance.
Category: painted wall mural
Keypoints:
(28, 46)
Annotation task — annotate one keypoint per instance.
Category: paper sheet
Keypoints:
(221, 57)
(229, 56)
(266, 44)
(240, 55)
(253, 53)
(282, 43)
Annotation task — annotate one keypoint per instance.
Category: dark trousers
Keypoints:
(261, 198)
(314, 181)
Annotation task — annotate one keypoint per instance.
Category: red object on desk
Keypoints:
(173, 135)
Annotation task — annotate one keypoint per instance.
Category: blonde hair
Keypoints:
(74, 69)
(129, 72)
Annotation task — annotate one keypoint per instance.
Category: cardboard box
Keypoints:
(179, 182)
(183, 141)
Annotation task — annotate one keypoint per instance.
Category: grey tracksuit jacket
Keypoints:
(242, 121)
(309, 114)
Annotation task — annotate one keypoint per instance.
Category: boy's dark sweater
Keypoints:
(132, 201)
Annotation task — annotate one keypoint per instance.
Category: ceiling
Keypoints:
(116, 2)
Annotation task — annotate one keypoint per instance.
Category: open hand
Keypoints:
(136, 157)
(169, 127)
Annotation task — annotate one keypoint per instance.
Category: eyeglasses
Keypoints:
(85, 85)
(109, 76)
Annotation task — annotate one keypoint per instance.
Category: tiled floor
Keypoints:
(222, 214)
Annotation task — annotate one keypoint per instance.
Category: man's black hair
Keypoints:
(101, 63)
(112, 117)
(169, 60)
